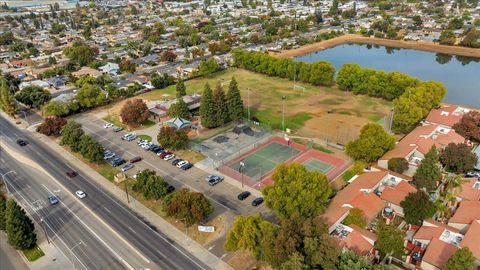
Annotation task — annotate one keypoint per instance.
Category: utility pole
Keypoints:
(42, 224)
(248, 103)
(240, 170)
(283, 113)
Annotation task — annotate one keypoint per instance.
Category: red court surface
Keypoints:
(328, 164)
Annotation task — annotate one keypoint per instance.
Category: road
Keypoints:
(9, 257)
(124, 238)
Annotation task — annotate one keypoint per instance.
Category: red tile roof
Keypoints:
(432, 230)
(397, 194)
(438, 253)
(472, 239)
(444, 116)
(467, 192)
(466, 212)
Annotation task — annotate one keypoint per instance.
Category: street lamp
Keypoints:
(240, 169)
(44, 230)
(248, 103)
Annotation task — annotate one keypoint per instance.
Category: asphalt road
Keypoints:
(157, 251)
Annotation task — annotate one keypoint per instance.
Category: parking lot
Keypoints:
(223, 195)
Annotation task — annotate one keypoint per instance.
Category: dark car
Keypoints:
(170, 189)
(52, 199)
(135, 159)
(242, 196)
(117, 161)
(186, 166)
(22, 142)
(71, 174)
(117, 129)
(257, 201)
(176, 161)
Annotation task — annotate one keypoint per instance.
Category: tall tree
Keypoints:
(90, 96)
(90, 149)
(171, 138)
(220, 106)
(373, 142)
(3, 206)
(207, 110)
(356, 216)
(179, 109)
(71, 134)
(469, 126)
(191, 206)
(390, 240)
(134, 112)
(429, 171)
(458, 158)
(20, 229)
(234, 101)
(52, 126)
(462, 259)
(33, 96)
(180, 88)
(417, 207)
(7, 103)
(288, 193)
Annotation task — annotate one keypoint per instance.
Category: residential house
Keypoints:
(466, 213)
(110, 68)
(86, 71)
(447, 115)
(38, 83)
(58, 81)
(354, 238)
(395, 190)
(472, 240)
(417, 143)
(469, 190)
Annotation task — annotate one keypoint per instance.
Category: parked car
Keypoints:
(127, 167)
(472, 174)
(176, 161)
(160, 151)
(212, 181)
(257, 201)
(242, 196)
(117, 129)
(108, 125)
(186, 166)
(22, 142)
(117, 161)
(108, 155)
(52, 199)
(129, 136)
(169, 157)
(181, 163)
(163, 154)
(71, 173)
(170, 189)
(80, 194)
(135, 159)
(214, 177)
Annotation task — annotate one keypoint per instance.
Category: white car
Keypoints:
(181, 163)
(108, 125)
(80, 194)
(169, 157)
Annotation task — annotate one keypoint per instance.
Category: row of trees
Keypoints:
(74, 136)
(7, 102)
(216, 108)
(18, 226)
(318, 73)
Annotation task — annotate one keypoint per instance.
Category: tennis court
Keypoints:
(264, 160)
(317, 165)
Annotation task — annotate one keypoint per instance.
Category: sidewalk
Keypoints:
(169, 230)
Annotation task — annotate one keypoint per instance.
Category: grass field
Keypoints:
(33, 254)
(314, 112)
(145, 137)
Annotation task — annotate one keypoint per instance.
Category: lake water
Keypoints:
(459, 74)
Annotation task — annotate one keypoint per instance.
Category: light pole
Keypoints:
(126, 191)
(248, 104)
(4, 181)
(25, 116)
(283, 113)
(44, 230)
(240, 169)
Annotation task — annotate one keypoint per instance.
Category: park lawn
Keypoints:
(190, 155)
(114, 119)
(306, 106)
(106, 170)
(33, 254)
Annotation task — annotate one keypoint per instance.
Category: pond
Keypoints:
(459, 74)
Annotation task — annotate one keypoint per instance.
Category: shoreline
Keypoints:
(351, 38)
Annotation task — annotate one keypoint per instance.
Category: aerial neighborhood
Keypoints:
(225, 134)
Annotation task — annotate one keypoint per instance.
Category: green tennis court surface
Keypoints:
(264, 160)
(317, 165)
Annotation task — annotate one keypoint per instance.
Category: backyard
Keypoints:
(310, 111)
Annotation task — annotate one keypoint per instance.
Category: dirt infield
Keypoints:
(350, 38)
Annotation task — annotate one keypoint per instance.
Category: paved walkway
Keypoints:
(9, 257)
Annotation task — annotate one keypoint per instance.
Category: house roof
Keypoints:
(353, 195)
(438, 252)
(472, 239)
(432, 230)
(447, 115)
(468, 191)
(357, 243)
(466, 212)
(84, 71)
(398, 193)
